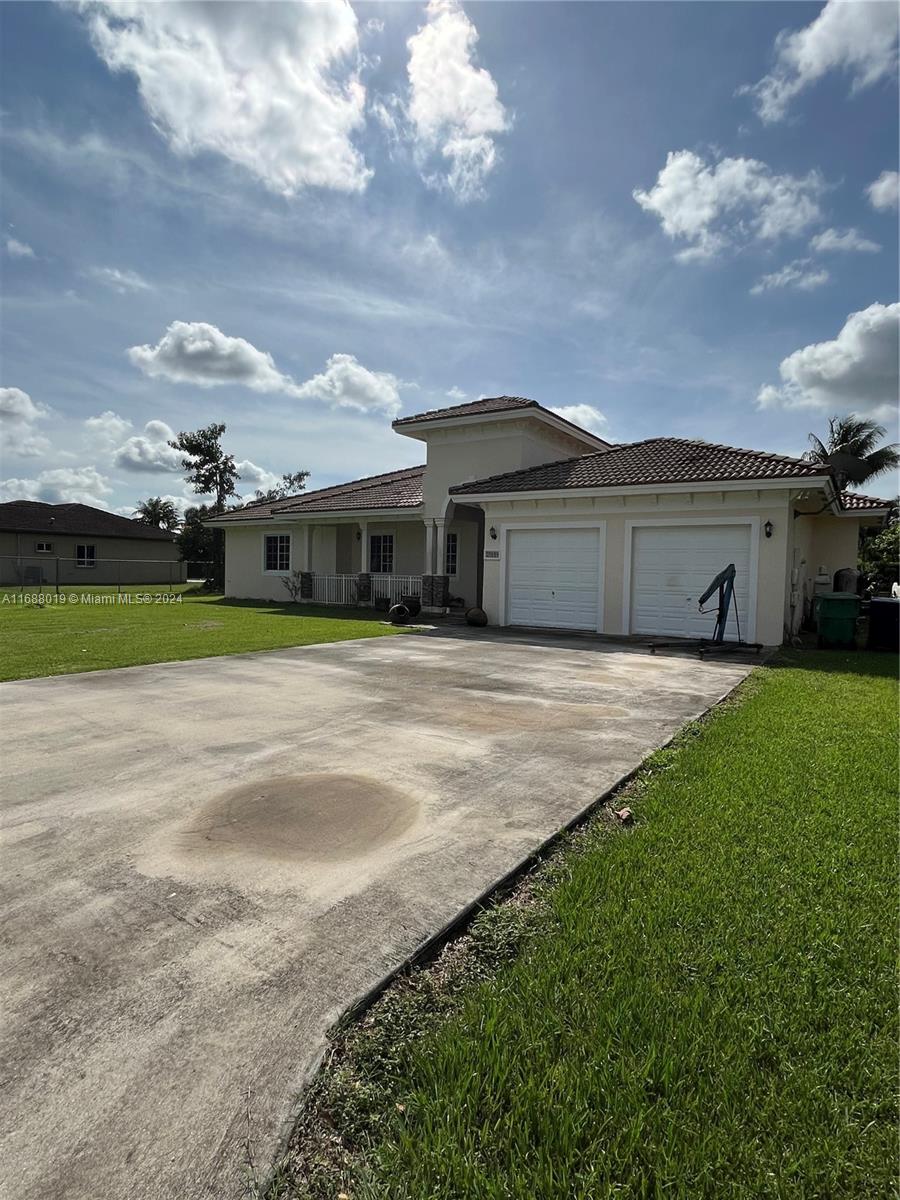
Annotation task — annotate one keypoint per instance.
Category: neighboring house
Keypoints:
(545, 524)
(77, 544)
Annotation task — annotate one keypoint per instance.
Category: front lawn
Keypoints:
(83, 633)
(700, 1005)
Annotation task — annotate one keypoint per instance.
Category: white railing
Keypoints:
(392, 587)
(334, 589)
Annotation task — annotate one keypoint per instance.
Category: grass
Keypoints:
(700, 1005)
(59, 638)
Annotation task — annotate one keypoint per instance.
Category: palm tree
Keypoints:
(159, 512)
(852, 450)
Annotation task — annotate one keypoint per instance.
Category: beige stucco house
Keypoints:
(544, 524)
(49, 544)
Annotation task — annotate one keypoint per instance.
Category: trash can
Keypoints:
(884, 623)
(836, 614)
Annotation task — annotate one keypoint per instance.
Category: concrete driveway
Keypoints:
(206, 862)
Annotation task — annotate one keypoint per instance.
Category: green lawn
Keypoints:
(701, 1005)
(75, 635)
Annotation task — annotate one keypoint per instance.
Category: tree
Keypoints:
(158, 512)
(852, 450)
(208, 469)
(290, 484)
(878, 559)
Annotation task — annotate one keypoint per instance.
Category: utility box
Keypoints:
(836, 614)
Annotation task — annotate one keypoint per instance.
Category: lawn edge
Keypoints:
(456, 930)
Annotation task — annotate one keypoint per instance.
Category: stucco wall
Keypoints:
(118, 560)
(616, 512)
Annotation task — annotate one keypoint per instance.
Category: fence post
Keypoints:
(57, 575)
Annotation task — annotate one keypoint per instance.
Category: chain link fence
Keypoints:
(49, 572)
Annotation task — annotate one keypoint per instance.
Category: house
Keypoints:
(545, 524)
(77, 544)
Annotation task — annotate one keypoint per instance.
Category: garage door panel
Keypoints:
(672, 566)
(553, 578)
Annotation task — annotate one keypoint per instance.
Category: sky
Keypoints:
(304, 220)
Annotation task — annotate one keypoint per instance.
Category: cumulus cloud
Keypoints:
(584, 415)
(19, 415)
(17, 249)
(107, 429)
(120, 281)
(272, 87)
(801, 275)
(149, 451)
(257, 478)
(457, 394)
(194, 352)
(884, 193)
(858, 37)
(843, 241)
(454, 108)
(713, 206)
(857, 370)
(346, 383)
(76, 485)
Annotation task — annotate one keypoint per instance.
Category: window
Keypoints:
(450, 554)
(85, 556)
(43, 547)
(381, 553)
(278, 552)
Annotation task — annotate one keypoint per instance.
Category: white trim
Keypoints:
(573, 493)
(585, 523)
(414, 429)
(339, 517)
(653, 522)
(279, 533)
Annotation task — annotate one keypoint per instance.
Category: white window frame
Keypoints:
(753, 522)
(85, 561)
(43, 547)
(382, 538)
(569, 523)
(451, 533)
(265, 554)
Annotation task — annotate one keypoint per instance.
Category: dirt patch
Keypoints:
(320, 818)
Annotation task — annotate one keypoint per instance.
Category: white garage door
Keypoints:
(671, 568)
(553, 578)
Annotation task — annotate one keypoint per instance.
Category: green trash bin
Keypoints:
(836, 614)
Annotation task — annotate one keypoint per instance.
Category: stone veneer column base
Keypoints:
(364, 589)
(435, 592)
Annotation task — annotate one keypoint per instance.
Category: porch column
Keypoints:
(303, 558)
(434, 582)
(428, 566)
(364, 547)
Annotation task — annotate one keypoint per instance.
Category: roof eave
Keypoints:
(418, 428)
(331, 515)
(702, 485)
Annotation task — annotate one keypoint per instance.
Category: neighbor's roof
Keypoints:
(854, 502)
(33, 516)
(395, 489)
(656, 460)
(489, 404)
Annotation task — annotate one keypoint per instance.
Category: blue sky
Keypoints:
(303, 221)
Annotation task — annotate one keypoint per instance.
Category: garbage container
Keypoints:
(884, 623)
(836, 614)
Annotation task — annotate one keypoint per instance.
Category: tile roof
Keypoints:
(656, 460)
(394, 489)
(33, 516)
(475, 408)
(854, 502)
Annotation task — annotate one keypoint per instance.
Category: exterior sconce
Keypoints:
(493, 532)
(768, 527)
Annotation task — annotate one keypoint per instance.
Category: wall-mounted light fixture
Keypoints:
(768, 527)
(493, 532)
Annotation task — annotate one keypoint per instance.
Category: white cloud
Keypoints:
(17, 249)
(856, 371)
(457, 394)
(855, 36)
(374, 25)
(584, 415)
(346, 383)
(195, 352)
(801, 275)
(18, 416)
(107, 429)
(712, 207)
(149, 451)
(76, 485)
(256, 478)
(884, 193)
(454, 108)
(120, 281)
(847, 240)
(273, 87)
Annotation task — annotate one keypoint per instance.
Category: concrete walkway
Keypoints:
(206, 862)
